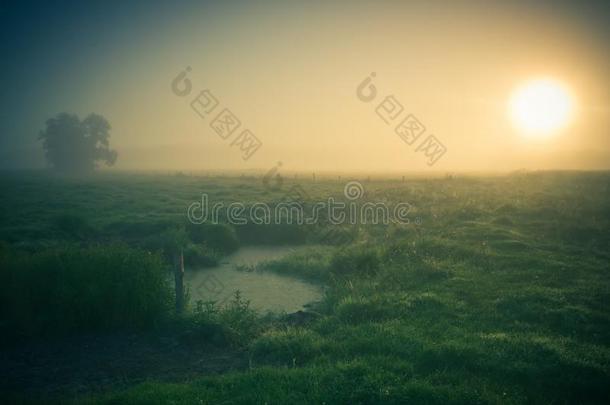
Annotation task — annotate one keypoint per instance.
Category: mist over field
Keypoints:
(289, 73)
(339, 202)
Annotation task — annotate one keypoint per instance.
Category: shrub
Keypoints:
(169, 242)
(200, 255)
(235, 324)
(70, 289)
(219, 237)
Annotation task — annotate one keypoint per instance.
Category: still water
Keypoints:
(266, 291)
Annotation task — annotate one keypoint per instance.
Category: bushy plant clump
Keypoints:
(72, 289)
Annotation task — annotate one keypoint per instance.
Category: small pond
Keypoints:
(266, 291)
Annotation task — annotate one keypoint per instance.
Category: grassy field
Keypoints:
(498, 290)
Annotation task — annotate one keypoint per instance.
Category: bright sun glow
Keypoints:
(541, 108)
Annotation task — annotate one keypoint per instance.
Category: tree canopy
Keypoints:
(76, 146)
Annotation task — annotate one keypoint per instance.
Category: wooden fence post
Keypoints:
(179, 280)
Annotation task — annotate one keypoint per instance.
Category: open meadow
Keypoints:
(495, 291)
(305, 202)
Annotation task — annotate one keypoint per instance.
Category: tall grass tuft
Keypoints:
(235, 324)
(73, 289)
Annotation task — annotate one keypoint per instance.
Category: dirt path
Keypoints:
(97, 362)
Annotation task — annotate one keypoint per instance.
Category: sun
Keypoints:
(541, 108)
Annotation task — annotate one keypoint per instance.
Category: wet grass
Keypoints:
(499, 294)
(70, 289)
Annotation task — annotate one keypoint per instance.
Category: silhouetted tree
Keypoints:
(72, 145)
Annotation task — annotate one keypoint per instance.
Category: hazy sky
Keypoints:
(289, 71)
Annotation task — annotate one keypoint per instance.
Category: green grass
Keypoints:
(499, 295)
(72, 289)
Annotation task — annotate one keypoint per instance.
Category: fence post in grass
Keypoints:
(179, 280)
